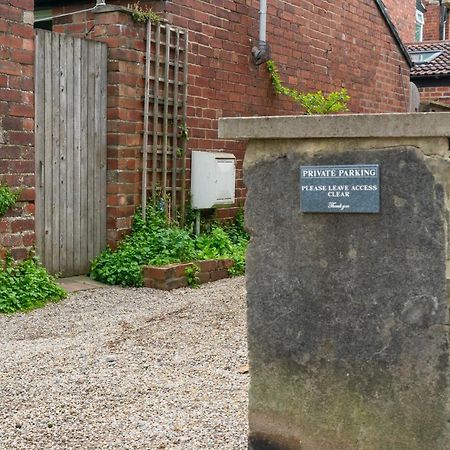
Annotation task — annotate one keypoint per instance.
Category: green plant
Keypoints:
(154, 241)
(26, 285)
(183, 131)
(191, 273)
(143, 14)
(8, 198)
(312, 102)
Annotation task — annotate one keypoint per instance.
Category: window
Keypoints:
(420, 22)
(424, 56)
(444, 25)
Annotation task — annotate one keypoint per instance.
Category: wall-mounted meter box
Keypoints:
(213, 176)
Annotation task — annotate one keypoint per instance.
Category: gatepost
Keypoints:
(348, 310)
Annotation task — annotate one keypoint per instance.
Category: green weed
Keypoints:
(154, 241)
(8, 198)
(192, 272)
(26, 285)
(143, 14)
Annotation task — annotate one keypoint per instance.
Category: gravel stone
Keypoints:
(122, 368)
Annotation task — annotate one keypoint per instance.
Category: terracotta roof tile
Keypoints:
(439, 65)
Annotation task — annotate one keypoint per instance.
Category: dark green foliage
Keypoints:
(26, 285)
(192, 275)
(7, 198)
(154, 242)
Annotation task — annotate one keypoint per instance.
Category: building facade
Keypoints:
(317, 45)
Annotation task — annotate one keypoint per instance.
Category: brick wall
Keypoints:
(17, 122)
(317, 44)
(432, 19)
(403, 15)
(440, 94)
(432, 22)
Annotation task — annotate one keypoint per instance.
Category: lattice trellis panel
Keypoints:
(165, 132)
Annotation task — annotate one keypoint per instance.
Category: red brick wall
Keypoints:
(432, 22)
(439, 94)
(432, 19)
(17, 122)
(317, 44)
(403, 15)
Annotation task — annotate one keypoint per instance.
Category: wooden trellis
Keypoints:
(165, 105)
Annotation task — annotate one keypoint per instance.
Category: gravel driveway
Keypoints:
(127, 369)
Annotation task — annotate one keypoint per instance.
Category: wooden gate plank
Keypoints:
(96, 148)
(103, 142)
(84, 158)
(90, 150)
(40, 141)
(77, 95)
(70, 122)
(62, 153)
(48, 150)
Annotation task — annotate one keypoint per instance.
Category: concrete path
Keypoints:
(80, 283)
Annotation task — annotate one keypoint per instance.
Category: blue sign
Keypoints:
(340, 189)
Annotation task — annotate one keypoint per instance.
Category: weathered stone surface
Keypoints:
(348, 313)
(336, 126)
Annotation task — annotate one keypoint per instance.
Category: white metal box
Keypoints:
(213, 176)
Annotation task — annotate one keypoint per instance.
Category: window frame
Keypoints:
(434, 55)
(420, 24)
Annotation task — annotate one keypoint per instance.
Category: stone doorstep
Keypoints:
(173, 276)
(79, 283)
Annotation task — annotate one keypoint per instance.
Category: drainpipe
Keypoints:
(262, 20)
(445, 6)
(261, 52)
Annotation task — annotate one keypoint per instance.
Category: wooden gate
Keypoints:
(70, 151)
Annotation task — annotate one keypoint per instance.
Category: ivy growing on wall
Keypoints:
(312, 102)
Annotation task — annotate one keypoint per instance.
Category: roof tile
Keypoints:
(439, 65)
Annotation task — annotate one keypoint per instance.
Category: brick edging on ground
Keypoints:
(173, 276)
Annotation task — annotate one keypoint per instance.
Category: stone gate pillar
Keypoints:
(348, 309)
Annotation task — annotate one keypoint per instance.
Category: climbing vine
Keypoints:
(312, 102)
